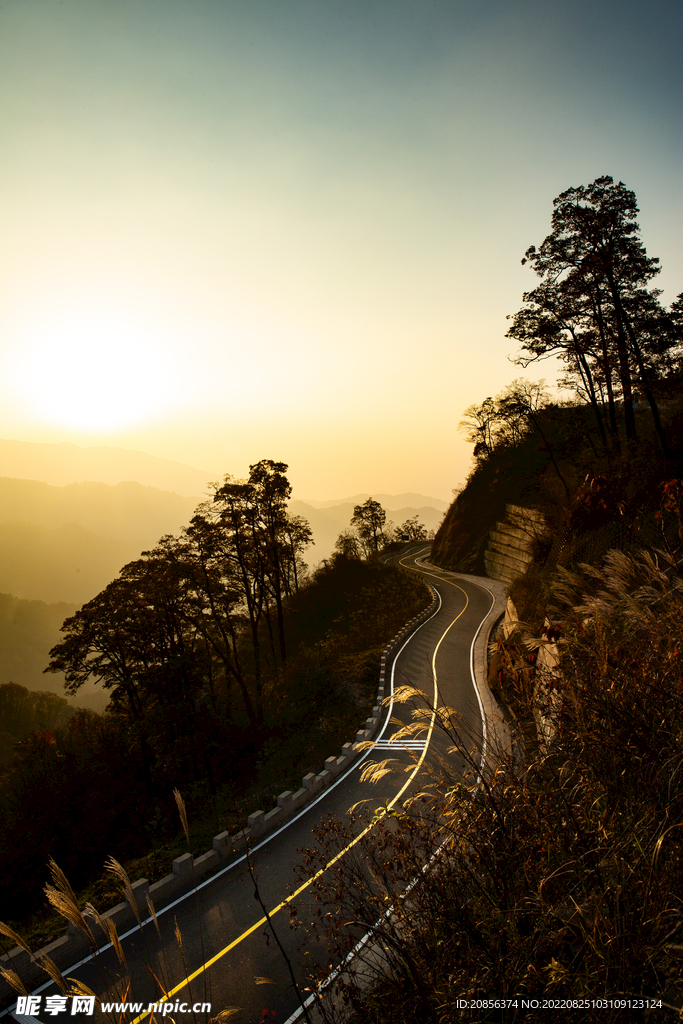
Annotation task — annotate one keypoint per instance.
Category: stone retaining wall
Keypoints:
(187, 869)
(508, 552)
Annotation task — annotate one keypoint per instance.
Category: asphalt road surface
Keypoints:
(227, 944)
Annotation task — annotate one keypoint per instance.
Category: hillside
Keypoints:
(554, 476)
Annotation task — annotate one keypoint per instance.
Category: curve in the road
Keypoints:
(227, 907)
(423, 746)
(136, 928)
(204, 967)
(341, 853)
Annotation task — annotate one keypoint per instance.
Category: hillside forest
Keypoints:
(229, 670)
(62, 543)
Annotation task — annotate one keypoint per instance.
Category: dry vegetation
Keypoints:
(559, 876)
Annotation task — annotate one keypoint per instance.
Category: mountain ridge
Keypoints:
(390, 502)
(64, 463)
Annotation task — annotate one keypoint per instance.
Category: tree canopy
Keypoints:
(504, 420)
(413, 529)
(369, 519)
(199, 615)
(595, 311)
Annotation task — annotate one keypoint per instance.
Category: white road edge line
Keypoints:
(362, 942)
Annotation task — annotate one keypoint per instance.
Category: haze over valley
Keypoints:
(63, 542)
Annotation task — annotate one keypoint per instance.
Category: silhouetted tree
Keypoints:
(348, 545)
(299, 535)
(263, 544)
(369, 519)
(589, 307)
(522, 401)
(215, 606)
(554, 323)
(413, 529)
(24, 711)
(503, 421)
(190, 612)
(134, 639)
(478, 425)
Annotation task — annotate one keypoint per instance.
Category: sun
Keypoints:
(93, 368)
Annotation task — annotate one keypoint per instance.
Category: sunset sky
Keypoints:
(292, 229)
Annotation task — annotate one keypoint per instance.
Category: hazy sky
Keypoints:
(292, 229)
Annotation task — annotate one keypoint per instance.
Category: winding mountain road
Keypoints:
(226, 942)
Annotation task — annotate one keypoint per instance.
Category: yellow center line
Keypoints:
(209, 963)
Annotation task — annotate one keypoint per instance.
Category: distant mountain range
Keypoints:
(67, 546)
(71, 518)
(391, 502)
(64, 463)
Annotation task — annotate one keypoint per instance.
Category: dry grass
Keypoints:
(557, 878)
